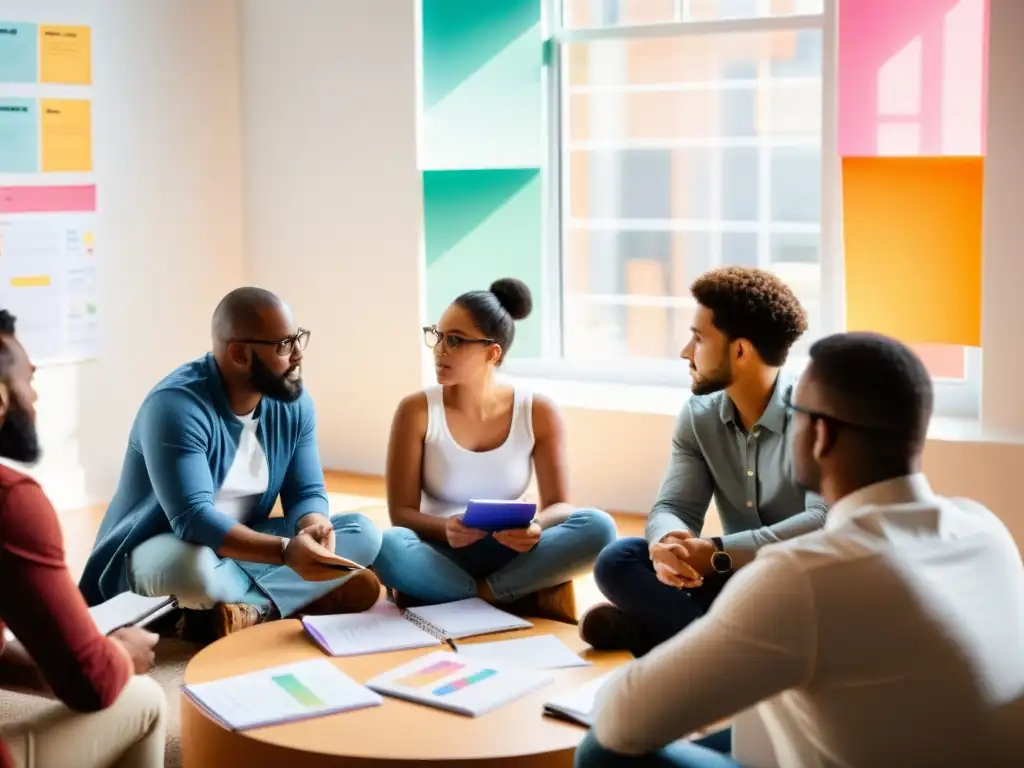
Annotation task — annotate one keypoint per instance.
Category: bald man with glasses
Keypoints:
(213, 448)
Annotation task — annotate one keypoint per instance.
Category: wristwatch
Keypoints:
(721, 561)
(284, 548)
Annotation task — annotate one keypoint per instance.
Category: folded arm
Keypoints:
(686, 487)
(742, 546)
(757, 641)
(175, 443)
(58, 650)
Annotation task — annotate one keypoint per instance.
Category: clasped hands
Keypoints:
(517, 539)
(681, 560)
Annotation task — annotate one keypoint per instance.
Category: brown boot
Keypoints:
(360, 593)
(557, 603)
(204, 627)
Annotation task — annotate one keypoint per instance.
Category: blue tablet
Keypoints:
(487, 515)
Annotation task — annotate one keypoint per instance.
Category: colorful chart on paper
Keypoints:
(464, 682)
(291, 685)
(422, 678)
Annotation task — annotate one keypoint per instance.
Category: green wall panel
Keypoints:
(482, 225)
(482, 95)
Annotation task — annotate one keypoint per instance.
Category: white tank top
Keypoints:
(453, 475)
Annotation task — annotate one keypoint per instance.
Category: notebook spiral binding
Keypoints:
(425, 625)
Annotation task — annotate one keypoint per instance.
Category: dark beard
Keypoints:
(718, 380)
(19, 440)
(269, 384)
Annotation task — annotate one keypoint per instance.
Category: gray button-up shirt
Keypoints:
(749, 474)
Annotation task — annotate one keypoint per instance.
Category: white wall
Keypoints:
(332, 201)
(167, 167)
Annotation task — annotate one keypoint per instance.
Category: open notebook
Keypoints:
(281, 695)
(452, 682)
(124, 610)
(577, 706)
(388, 628)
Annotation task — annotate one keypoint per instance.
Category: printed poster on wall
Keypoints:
(49, 275)
(50, 281)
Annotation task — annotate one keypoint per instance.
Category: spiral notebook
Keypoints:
(386, 627)
(457, 684)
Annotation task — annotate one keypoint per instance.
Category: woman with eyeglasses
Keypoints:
(472, 437)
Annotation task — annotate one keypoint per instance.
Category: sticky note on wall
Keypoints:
(65, 55)
(67, 135)
(912, 247)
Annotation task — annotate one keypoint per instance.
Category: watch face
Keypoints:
(721, 562)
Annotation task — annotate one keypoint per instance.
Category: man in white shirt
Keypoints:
(894, 636)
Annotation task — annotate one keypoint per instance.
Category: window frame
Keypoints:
(959, 398)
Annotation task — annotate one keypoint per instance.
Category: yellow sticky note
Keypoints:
(31, 281)
(67, 135)
(912, 247)
(65, 55)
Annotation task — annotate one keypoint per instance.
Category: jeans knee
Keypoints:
(166, 565)
(615, 561)
(393, 547)
(596, 529)
(589, 753)
(357, 537)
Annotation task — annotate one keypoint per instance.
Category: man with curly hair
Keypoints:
(731, 444)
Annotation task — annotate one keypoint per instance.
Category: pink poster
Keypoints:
(913, 77)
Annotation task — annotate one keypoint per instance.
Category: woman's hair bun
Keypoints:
(514, 296)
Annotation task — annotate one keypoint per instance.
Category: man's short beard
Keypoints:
(269, 384)
(716, 381)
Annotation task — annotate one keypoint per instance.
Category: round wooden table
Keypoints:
(399, 733)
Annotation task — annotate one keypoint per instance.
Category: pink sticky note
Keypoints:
(62, 199)
(913, 77)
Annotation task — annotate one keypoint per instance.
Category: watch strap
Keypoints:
(284, 548)
(719, 545)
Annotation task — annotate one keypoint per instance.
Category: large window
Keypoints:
(685, 135)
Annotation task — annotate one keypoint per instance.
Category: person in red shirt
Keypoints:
(112, 715)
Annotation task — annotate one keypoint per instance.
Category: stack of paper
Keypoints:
(281, 695)
(449, 681)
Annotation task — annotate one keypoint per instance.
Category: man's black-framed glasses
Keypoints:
(829, 418)
(432, 336)
(282, 347)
